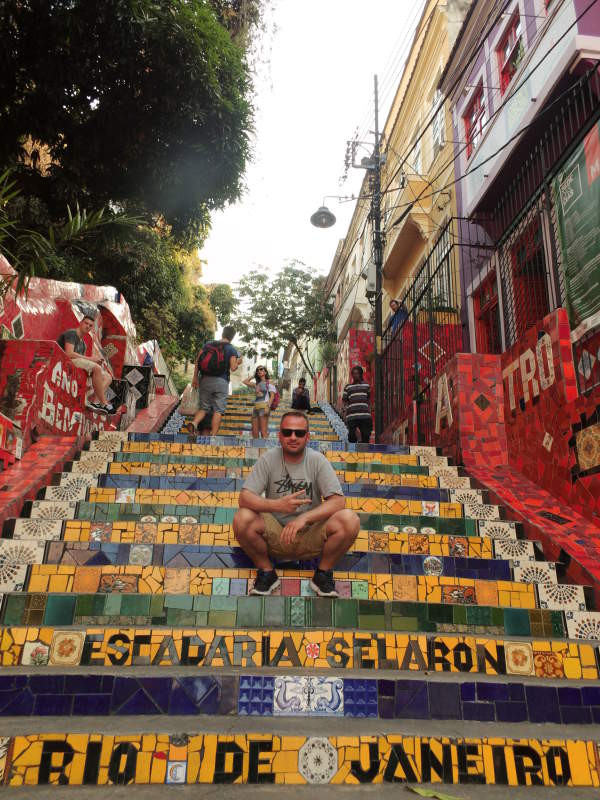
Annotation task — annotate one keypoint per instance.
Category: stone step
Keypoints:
(217, 470)
(198, 498)
(127, 647)
(182, 556)
(297, 755)
(519, 552)
(114, 441)
(150, 463)
(423, 588)
(70, 488)
(41, 518)
(299, 696)
(278, 611)
(80, 537)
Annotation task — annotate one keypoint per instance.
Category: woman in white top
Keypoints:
(265, 392)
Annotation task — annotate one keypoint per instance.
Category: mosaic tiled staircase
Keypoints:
(125, 596)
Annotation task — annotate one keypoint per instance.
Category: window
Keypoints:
(474, 120)
(415, 158)
(510, 52)
(438, 132)
(487, 316)
(529, 278)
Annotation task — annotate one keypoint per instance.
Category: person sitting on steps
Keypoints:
(302, 514)
(96, 367)
(265, 392)
(301, 397)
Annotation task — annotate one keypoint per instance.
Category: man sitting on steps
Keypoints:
(72, 342)
(278, 525)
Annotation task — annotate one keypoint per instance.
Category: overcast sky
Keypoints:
(316, 90)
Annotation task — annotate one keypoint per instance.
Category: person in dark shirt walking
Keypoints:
(357, 407)
(214, 364)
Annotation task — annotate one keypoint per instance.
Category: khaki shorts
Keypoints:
(307, 544)
(85, 363)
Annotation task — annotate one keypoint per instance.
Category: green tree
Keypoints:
(139, 104)
(196, 325)
(38, 252)
(223, 303)
(290, 308)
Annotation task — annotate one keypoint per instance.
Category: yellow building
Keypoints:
(417, 202)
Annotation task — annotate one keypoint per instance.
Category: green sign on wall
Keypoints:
(577, 201)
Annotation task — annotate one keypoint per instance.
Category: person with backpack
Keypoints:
(265, 396)
(214, 364)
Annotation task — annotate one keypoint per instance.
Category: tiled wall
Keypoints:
(40, 387)
(356, 351)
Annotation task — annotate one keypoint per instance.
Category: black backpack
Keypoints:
(211, 360)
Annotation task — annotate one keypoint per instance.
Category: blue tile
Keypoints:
(204, 692)
(412, 701)
(123, 689)
(91, 704)
(467, 692)
(481, 712)
(444, 700)
(591, 695)
(516, 691)
(21, 704)
(569, 696)
(159, 689)
(50, 705)
(543, 703)
(511, 712)
(47, 684)
(492, 691)
(576, 715)
(255, 696)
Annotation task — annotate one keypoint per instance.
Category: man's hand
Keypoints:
(195, 382)
(292, 502)
(292, 529)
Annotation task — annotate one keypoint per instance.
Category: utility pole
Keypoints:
(323, 218)
(378, 243)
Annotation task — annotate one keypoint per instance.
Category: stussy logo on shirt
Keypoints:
(289, 486)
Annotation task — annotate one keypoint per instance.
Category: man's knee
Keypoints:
(348, 521)
(244, 519)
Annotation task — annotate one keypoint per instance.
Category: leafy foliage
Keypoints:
(290, 308)
(33, 252)
(223, 303)
(138, 103)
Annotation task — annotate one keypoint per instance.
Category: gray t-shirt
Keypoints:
(276, 478)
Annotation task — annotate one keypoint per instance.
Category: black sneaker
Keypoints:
(323, 584)
(109, 408)
(266, 582)
(99, 408)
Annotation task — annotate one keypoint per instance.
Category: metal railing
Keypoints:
(430, 326)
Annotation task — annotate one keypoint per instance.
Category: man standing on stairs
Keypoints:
(214, 364)
(292, 508)
(356, 399)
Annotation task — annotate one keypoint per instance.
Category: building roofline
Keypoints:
(457, 42)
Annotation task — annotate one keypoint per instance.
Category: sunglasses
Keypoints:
(287, 432)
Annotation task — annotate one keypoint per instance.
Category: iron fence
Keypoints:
(430, 326)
